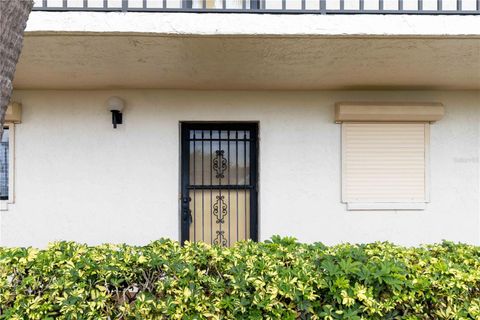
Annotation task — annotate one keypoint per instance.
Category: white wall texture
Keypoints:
(78, 179)
(214, 24)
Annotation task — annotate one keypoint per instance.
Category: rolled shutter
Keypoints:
(384, 162)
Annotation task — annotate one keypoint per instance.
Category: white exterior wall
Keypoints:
(240, 24)
(79, 179)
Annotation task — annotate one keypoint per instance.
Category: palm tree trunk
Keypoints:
(13, 20)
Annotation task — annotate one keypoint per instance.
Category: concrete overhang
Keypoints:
(85, 50)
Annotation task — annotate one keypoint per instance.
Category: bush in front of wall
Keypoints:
(277, 279)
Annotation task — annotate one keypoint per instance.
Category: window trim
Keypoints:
(390, 205)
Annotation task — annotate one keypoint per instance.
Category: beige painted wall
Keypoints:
(78, 179)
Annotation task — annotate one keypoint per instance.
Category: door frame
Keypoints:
(185, 127)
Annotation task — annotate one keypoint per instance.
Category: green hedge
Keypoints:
(278, 279)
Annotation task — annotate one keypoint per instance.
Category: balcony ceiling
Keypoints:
(108, 61)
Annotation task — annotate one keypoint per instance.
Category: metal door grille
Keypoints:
(219, 182)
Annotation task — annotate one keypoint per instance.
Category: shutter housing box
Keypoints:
(14, 113)
(388, 111)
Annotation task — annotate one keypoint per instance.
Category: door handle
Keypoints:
(187, 216)
(186, 212)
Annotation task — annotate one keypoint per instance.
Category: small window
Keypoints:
(5, 165)
(385, 165)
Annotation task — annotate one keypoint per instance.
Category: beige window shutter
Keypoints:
(385, 162)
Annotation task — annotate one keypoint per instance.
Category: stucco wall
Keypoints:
(214, 24)
(78, 179)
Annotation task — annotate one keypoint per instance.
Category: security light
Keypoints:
(115, 105)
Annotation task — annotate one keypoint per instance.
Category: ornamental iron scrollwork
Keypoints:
(220, 239)
(220, 209)
(219, 164)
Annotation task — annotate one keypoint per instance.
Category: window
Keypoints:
(5, 164)
(13, 115)
(385, 165)
(385, 153)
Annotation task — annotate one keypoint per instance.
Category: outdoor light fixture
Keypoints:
(115, 105)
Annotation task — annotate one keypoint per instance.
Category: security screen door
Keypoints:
(219, 182)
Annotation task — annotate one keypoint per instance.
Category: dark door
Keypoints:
(219, 182)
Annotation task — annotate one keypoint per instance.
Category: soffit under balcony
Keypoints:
(73, 61)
